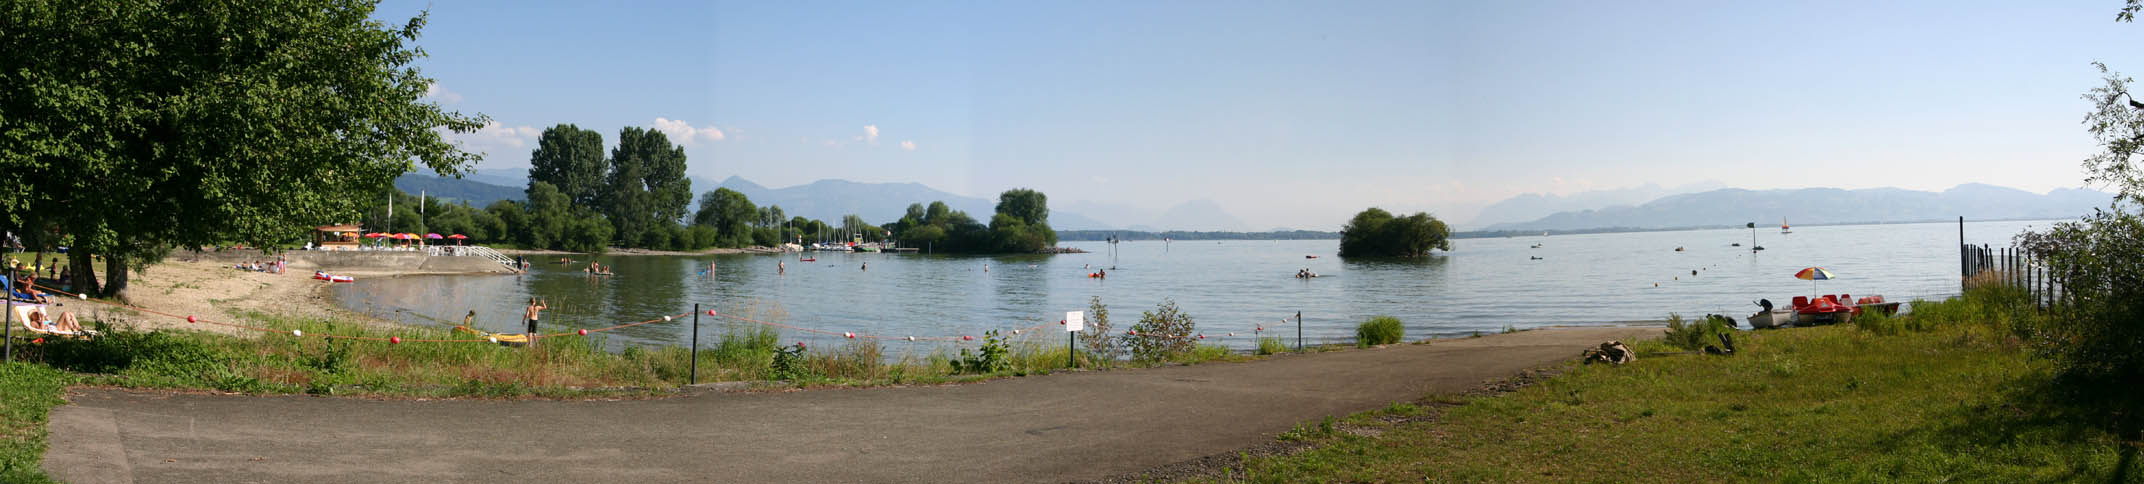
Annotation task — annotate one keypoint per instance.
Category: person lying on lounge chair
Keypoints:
(67, 323)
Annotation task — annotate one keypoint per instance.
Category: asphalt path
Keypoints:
(1074, 426)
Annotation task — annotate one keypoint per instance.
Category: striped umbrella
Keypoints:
(1814, 274)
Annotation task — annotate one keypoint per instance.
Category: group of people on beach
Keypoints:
(271, 267)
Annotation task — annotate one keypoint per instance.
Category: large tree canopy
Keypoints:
(1376, 233)
(136, 127)
(729, 212)
(647, 188)
(571, 159)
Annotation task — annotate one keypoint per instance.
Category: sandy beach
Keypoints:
(213, 289)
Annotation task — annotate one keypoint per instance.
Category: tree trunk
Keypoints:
(115, 278)
(85, 274)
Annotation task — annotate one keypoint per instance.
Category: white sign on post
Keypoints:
(1074, 320)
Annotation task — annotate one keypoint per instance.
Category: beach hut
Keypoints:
(342, 236)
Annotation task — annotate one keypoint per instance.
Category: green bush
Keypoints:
(788, 363)
(1697, 334)
(1162, 334)
(1271, 345)
(989, 359)
(1101, 342)
(1379, 330)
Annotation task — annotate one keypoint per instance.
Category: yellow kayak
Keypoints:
(509, 339)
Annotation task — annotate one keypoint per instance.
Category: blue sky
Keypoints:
(1298, 114)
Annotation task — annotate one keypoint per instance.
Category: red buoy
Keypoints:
(967, 338)
(189, 319)
(849, 335)
(584, 332)
(395, 340)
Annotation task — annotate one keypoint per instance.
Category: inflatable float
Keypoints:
(332, 277)
(509, 339)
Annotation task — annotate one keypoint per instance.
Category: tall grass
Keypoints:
(1271, 346)
(1379, 330)
(1694, 334)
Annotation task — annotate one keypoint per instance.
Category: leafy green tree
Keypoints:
(1376, 233)
(1031, 207)
(1022, 222)
(550, 213)
(938, 211)
(571, 159)
(135, 128)
(646, 188)
(513, 218)
(730, 213)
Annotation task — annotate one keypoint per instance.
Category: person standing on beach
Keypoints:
(534, 312)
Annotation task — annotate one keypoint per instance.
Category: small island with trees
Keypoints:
(1377, 233)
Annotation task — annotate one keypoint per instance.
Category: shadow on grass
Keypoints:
(2038, 411)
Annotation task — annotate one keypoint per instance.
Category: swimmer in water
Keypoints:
(781, 268)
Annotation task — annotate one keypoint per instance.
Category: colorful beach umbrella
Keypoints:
(375, 235)
(457, 238)
(433, 236)
(1813, 274)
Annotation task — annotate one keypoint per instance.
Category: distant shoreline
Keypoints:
(1101, 235)
(1484, 234)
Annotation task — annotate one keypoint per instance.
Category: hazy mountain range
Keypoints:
(1735, 206)
(1533, 206)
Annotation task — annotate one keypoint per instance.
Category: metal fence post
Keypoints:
(694, 379)
(9, 318)
(1299, 331)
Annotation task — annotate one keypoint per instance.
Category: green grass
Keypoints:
(1380, 330)
(27, 394)
(1950, 397)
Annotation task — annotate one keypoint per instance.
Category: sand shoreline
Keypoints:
(626, 251)
(216, 291)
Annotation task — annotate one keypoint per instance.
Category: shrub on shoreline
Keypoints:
(1162, 333)
(1379, 330)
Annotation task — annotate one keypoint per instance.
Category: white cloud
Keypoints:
(908, 145)
(1098, 180)
(444, 96)
(871, 133)
(684, 133)
(494, 140)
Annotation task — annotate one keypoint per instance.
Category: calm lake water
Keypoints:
(1230, 286)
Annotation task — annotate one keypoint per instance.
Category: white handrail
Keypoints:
(485, 252)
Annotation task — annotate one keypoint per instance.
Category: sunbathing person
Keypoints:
(67, 323)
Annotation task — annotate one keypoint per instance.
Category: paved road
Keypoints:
(1063, 427)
